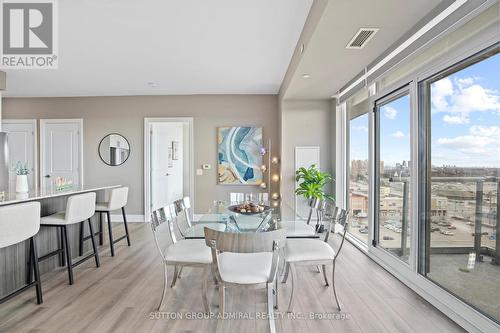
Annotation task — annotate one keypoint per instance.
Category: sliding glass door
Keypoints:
(358, 168)
(393, 173)
(461, 122)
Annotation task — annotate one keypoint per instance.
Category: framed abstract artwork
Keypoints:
(239, 155)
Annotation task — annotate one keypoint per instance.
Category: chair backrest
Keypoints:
(163, 215)
(184, 206)
(336, 216)
(18, 222)
(313, 204)
(118, 198)
(236, 197)
(80, 207)
(244, 242)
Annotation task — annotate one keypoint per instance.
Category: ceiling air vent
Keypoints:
(361, 38)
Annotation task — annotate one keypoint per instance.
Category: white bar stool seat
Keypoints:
(19, 223)
(117, 200)
(79, 208)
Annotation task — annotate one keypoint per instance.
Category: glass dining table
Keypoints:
(220, 217)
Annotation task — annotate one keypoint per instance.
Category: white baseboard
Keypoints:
(130, 218)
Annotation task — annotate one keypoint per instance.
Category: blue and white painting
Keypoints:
(240, 158)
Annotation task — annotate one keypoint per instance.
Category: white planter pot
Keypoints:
(22, 184)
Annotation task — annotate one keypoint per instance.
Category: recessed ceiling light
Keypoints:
(306, 76)
(153, 84)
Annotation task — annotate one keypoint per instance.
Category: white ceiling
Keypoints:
(115, 47)
(327, 61)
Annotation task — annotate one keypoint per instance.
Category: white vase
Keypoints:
(22, 184)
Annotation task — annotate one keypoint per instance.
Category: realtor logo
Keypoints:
(28, 34)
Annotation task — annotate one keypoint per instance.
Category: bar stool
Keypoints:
(117, 200)
(79, 208)
(19, 223)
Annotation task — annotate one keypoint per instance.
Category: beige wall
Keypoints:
(125, 115)
(305, 123)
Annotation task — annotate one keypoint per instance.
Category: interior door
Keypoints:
(60, 151)
(305, 157)
(166, 163)
(22, 148)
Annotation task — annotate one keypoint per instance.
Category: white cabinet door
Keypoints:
(61, 151)
(22, 148)
(305, 157)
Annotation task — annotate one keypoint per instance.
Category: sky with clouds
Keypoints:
(465, 118)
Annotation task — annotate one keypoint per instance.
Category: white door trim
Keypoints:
(35, 142)
(147, 158)
(43, 123)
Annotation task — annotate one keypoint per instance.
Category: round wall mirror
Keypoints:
(114, 149)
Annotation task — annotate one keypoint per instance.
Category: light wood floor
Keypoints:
(122, 294)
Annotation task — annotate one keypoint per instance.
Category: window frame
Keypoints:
(399, 92)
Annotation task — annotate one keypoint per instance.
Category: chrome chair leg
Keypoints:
(276, 293)
(222, 306)
(294, 282)
(165, 288)
(204, 289)
(180, 272)
(270, 311)
(324, 275)
(174, 278)
(333, 287)
(287, 271)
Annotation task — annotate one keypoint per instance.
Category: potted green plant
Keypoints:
(22, 173)
(312, 183)
(311, 186)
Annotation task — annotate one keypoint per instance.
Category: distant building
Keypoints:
(358, 203)
(439, 206)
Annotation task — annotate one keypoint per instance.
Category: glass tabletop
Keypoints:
(220, 217)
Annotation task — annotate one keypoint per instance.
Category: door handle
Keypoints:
(47, 176)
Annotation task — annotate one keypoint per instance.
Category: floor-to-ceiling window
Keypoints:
(393, 173)
(463, 181)
(358, 168)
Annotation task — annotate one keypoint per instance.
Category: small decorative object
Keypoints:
(263, 151)
(239, 155)
(249, 208)
(63, 184)
(275, 160)
(263, 168)
(22, 173)
(275, 196)
(276, 178)
(175, 150)
(312, 183)
(263, 185)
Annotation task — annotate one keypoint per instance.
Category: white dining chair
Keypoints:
(315, 252)
(180, 253)
(246, 260)
(79, 208)
(19, 223)
(183, 212)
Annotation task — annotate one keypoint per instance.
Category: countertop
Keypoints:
(40, 194)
